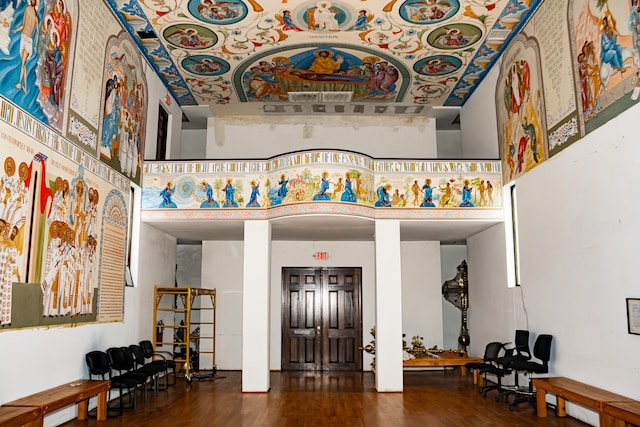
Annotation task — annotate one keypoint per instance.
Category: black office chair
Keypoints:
(491, 354)
(159, 359)
(122, 362)
(99, 366)
(518, 352)
(542, 352)
(152, 369)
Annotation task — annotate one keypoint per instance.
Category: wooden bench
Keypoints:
(567, 389)
(451, 359)
(16, 416)
(618, 414)
(68, 394)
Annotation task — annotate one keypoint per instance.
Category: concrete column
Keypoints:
(255, 306)
(388, 306)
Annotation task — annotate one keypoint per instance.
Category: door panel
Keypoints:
(321, 321)
(342, 324)
(302, 305)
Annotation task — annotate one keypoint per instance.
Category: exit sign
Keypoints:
(322, 256)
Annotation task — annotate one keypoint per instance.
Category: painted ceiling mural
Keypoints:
(235, 52)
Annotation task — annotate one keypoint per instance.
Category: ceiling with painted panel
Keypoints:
(362, 57)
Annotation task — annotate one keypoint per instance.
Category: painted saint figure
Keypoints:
(348, 195)
(209, 202)
(383, 196)
(255, 192)
(466, 195)
(427, 198)
(229, 195)
(166, 193)
(324, 188)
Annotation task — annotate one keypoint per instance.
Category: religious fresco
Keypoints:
(520, 109)
(404, 34)
(51, 232)
(582, 69)
(324, 69)
(314, 178)
(124, 103)
(37, 42)
(606, 37)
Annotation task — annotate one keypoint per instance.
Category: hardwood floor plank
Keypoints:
(344, 399)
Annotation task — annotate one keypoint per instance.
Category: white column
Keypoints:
(388, 306)
(255, 306)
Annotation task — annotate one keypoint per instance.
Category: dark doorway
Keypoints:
(163, 124)
(321, 319)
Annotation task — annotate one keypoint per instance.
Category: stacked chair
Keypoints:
(492, 353)
(542, 352)
(129, 372)
(518, 353)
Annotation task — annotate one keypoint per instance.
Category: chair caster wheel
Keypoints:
(511, 408)
(497, 398)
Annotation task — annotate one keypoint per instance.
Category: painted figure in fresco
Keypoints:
(634, 26)
(209, 202)
(383, 196)
(286, 22)
(111, 119)
(9, 272)
(7, 9)
(482, 189)
(166, 193)
(324, 17)
(27, 29)
(466, 195)
(530, 131)
(255, 192)
(337, 188)
(415, 190)
(348, 195)
(427, 198)
(584, 82)
(610, 50)
(282, 189)
(446, 195)
(324, 188)
(395, 198)
(593, 74)
(229, 195)
(362, 22)
(383, 80)
(490, 192)
(324, 63)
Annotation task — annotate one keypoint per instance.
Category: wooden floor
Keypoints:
(430, 398)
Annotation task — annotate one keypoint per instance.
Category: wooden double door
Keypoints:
(321, 319)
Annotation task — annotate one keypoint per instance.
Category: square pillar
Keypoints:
(388, 306)
(256, 306)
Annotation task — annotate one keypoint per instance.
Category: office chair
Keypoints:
(542, 352)
(99, 366)
(519, 352)
(491, 354)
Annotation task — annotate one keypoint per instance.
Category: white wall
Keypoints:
(579, 234)
(232, 137)
(479, 131)
(222, 269)
(421, 292)
(193, 144)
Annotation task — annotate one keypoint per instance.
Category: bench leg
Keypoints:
(561, 407)
(82, 409)
(463, 371)
(541, 403)
(102, 406)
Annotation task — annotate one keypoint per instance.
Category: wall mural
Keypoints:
(587, 67)
(313, 178)
(123, 126)
(50, 223)
(58, 200)
(37, 41)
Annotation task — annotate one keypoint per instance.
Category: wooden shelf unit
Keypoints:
(185, 302)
